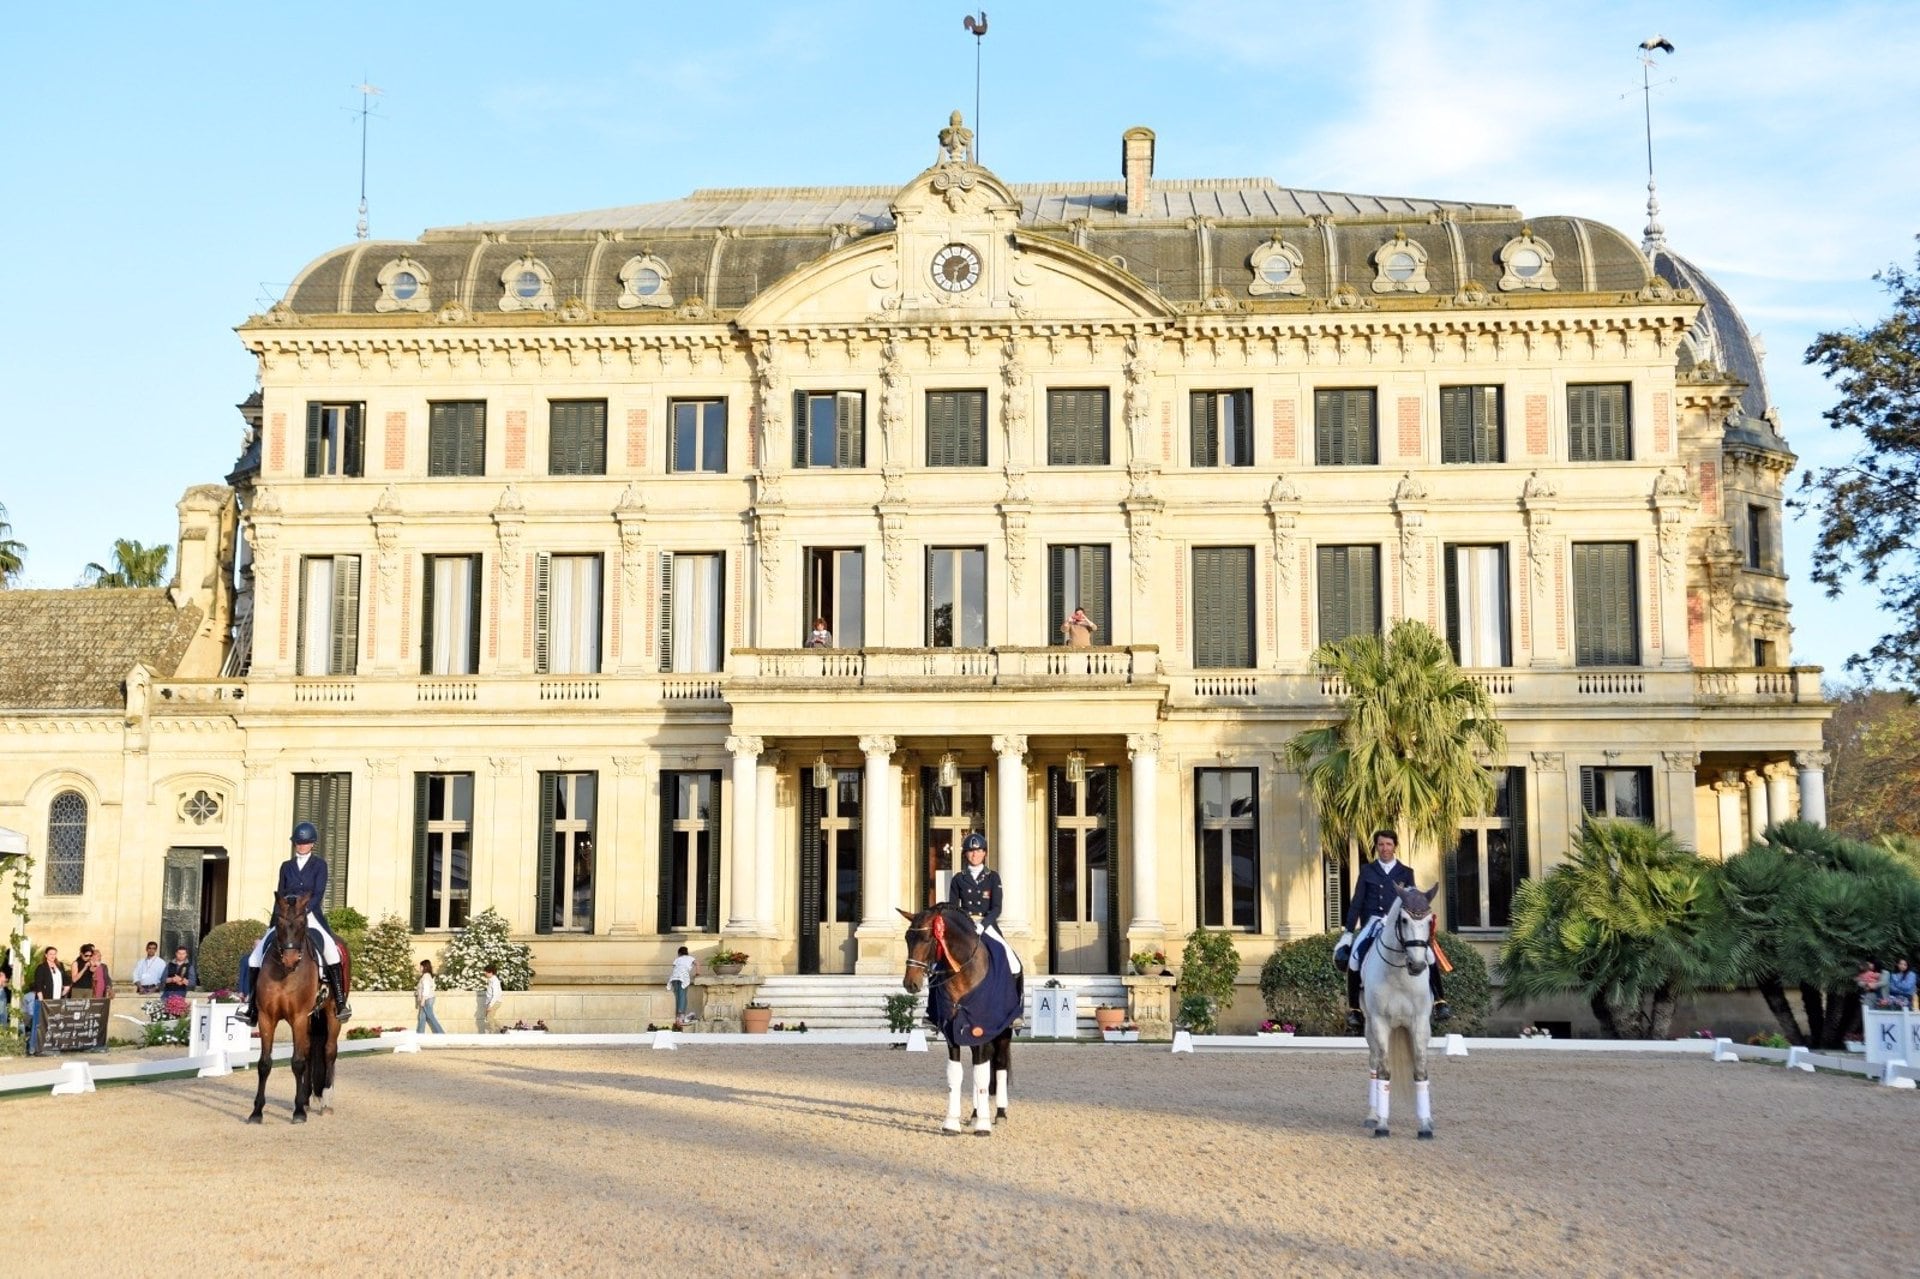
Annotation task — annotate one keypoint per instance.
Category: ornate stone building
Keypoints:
(701, 567)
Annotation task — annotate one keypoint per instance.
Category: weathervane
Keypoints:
(977, 27)
(1655, 236)
(367, 94)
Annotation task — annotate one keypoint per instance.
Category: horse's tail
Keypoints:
(319, 1059)
(1400, 1057)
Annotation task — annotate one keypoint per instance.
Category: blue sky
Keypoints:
(173, 166)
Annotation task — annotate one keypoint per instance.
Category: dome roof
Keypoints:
(1718, 336)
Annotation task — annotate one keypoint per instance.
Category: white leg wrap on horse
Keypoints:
(1386, 1095)
(982, 1089)
(1000, 1088)
(1423, 1102)
(1377, 1096)
(956, 1072)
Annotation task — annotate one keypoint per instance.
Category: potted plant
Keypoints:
(1109, 1017)
(756, 1017)
(1125, 1033)
(1271, 1029)
(727, 963)
(1148, 962)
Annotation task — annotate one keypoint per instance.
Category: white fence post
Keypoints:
(75, 1077)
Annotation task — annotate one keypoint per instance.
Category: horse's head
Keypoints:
(924, 932)
(290, 929)
(1412, 920)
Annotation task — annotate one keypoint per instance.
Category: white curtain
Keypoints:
(573, 615)
(1482, 605)
(696, 612)
(452, 615)
(316, 638)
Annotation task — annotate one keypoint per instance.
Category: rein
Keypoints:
(1402, 948)
(934, 968)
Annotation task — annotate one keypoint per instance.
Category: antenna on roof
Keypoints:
(1655, 236)
(978, 28)
(367, 94)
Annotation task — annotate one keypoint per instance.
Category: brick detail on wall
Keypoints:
(614, 597)
(1285, 443)
(516, 439)
(1536, 426)
(396, 453)
(1697, 627)
(1662, 422)
(1409, 428)
(1710, 489)
(650, 610)
(753, 438)
(636, 439)
(1391, 560)
(370, 597)
(1525, 595)
(739, 616)
(1433, 590)
(277, 444)
(1166, 432)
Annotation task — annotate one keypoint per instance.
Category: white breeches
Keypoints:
(1013, 959)
(329, 948)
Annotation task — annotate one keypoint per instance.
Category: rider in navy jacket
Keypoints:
(976, 889)
(1373, 896)
(302, 875)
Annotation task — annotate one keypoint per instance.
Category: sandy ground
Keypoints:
(1116, 1160)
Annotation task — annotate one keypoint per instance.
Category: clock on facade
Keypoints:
(956, 268)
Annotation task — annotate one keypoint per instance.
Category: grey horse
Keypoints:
(1399, 1007)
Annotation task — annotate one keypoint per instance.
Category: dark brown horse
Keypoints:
(944, 949)
(291, 988)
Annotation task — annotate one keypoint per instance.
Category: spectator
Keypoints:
(1079, 629)
(678, 982)
(1901, 983)
(49, 981)
(1868, 979)
(423, 1000)
(150, 972)
(6, 998)
(180, 977)
(90, 976)
(819, 636)
(489, 1016)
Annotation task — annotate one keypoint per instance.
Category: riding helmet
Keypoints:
(304, 833)
(973, 841)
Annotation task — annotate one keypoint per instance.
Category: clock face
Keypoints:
(956, 268)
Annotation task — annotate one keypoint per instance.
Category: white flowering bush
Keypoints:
(485, 940)
(385, 958)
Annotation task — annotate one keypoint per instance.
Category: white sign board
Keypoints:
(1056, 1013)
(1892, 1034)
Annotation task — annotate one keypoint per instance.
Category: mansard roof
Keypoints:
(72, 649)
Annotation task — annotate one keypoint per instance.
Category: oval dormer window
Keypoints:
(406, 285)
(527, 284)
(1526, 262)
(1277, 269)
(1400, 266)
(646, 282)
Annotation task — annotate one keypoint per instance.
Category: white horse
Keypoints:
(1399, 1006)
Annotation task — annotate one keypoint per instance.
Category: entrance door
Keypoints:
(1083, 890)
(829, 871)
(180, 901)
(836, 594)
(948, 814)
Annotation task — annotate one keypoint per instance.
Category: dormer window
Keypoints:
(1400, 266)
(645, 281)
(1527, 263)
(404, 286)
(527, 286)
(1276, 269)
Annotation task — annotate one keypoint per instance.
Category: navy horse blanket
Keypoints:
(988, 1010)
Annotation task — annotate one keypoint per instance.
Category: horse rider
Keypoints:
(977, 891)
(1380, 882)
(303, 874)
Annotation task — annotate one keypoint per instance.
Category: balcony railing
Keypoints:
(1590, 686)
(1001, 667)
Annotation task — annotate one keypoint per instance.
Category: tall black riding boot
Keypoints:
(1440, 1010)
(341, 1008)
(1355, 1020)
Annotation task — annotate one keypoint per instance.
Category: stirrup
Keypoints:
(246, 1013)
(1356, 1020)
(1442, 1011)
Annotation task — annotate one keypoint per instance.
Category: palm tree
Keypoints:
(1631, 922)
(1408, 747)
(133, 565)
(12, 553)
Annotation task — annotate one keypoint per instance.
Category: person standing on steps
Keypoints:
(302, 875)
(1373, 895)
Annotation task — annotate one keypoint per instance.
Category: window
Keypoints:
(67, 845)
(1349, 582)
(690, 852)
(829, 429)
(1617, 792)
(566, 853)
(1223, 606)
(336, 444)
(699, 440)
(450, 616)
(1344, 428)
(1477, 605)
(1077, 428)
(442, 850)
(956, 428)
(1222, 423)
(329, 615)
(1490, 859)
(1765, 653)
(692, 594)
(577, 437)
(956, 597)
(1606, 619)
(1078, 577)
(837, 593)
(1470, 425)
(566, 614)
(457, 438)
(1597, 425)
(1227, 839)
(1757, 537)
(326, 800)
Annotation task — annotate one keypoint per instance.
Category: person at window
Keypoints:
(679, 981)
(90, 976)
(1079, 629)
(1901, 983)
(150, 971)
(977, 891)
(423, 993)
(302, 875)
(1378, 888)
(820, 636)
(179, 978)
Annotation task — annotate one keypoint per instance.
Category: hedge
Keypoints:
(223, 950)
(1299, 984)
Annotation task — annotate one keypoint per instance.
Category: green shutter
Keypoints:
(474, 563)
(335, 824)
(1363, 567)
(1616, 445)
(1606, 623)
(800, 428)
(1240, 444)
(813, 888)
(666, 611)
(1517, 814)
(1456, 424)
(711, 919)
(426, 613)
(300, 655)
(1077, 428)
(355, 458)
(577, 437)
(316, 439)
(1590, 794)
(542, 613)
(421, 796)
(1222, 606)
(1336, 607)
(1455, 605)
(1057, 606)
(849, 429)
(943, 429)
(1056, 800)
(1488, 446)
(1363, 447)
(543, 902)
(441, 433)
(344, 659)
(1203, 410)
(1114, 933)
(1598, 423)
(1094, 592)
(972, 424)
(669, 797)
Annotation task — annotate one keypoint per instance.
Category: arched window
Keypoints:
(67, 845)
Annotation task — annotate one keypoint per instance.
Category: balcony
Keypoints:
(405, 694)
(1638, 688)
(909, 668)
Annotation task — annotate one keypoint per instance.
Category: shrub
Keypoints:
(485, 940)
(161, 1033)
(385, 958)
(1299, 984)
(1196, 1014)
(900, 1012)
(1208, 968)
(223, 950)
(349, 928)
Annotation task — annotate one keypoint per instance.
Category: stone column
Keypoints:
(634, 884)
(1009, 844)
(765, 830)
(1779, 777)
(1732, 835)
(1757, 818)
(1143, 750)
(1813, 785)
(1682, 768)
(896, 859)
(875, 930)
(746, 789)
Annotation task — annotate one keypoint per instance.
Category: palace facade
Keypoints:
(700, 568)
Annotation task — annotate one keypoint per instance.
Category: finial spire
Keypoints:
(367, 94)
(1654, 238)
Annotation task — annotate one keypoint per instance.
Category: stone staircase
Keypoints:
(859, 1002)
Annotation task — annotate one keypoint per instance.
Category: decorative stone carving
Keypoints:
(1283, 499)
(504, 765)
(879, 745)
(1014, 394)
(1400, 266)
(382, 766)
(1526, 263)
(893, 544)
(1535, 496)
(405, 285)
(1680, 761)
(893, 405)
(1410, 489)
(1013, 517)
(1139, 744)
(509, 521)
(956, 141)
(742, 745)
(1276, 269)
(1813, 761)
(645, 281)
(259, 767)
(1550, 761)
(1010, 744)
(1136, 365)
(634, 765)
(1141, 513)
(526, 285)
(769, 383)
(768, 537)
(1016, 484)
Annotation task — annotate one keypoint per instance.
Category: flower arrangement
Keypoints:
(1148, 959)
(1889, 1003)
(161, 1033)
(799, 1027)
(1272, 1027)
(1772, 1039)
(371, 1032)
(755, 1003)
(1703, 1033)
(224, 996)
(1535, 1032)
(521, 1025)
(1109, 1008)
(724, 956)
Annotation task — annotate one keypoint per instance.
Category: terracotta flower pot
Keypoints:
(727, 970)
(754, 1021)
(1109, 1018)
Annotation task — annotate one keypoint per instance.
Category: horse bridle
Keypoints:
(1425, 943)
(938, 929)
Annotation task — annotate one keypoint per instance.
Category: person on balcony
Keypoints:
(1079, 629)
(820, 636)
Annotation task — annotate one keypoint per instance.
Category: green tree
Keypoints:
(1865, 504)
(1873, 748)
(12, 553)
(1208, 968)
(1631, 922)
(133, 565)
(1407, 748)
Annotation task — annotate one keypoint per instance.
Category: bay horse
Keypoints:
(1399, 1007)
(949, 954)
(291, 988)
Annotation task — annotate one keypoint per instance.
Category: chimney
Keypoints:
(1136, 166)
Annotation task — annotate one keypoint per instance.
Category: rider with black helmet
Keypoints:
(977, 891)
(302, 875)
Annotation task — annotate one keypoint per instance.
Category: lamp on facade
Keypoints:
(949, 770)
(822, 772)
(1076, 767)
